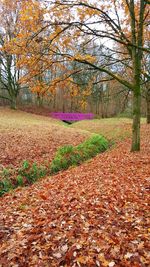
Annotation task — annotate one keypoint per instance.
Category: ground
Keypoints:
(32, 137)
(112, 128)
(93, 215)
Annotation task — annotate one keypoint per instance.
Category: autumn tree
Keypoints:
(117, 22)
(46, 72)
(28, 17)
(9, 73)
(110, 23)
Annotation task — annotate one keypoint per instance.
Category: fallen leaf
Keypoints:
(128, 255)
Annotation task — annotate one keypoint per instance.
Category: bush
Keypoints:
(19, 180)
(5, 173)
(31, 172)
(27, 174)
(71, 156)
(5, 186)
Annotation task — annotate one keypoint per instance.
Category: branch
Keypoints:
(104, 80)
(119, 79)
(4, 97)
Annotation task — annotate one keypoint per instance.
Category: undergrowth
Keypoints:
(27, 174)
(66, 156)
(70, 155)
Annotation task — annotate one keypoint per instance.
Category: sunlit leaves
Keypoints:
(82, 58)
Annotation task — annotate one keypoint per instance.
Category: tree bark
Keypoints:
(148, 105)
(13, 104)
(136, 119)
(39, 100)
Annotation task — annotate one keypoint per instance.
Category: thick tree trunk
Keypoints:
(13, 104)
(137, 54)
(136, 120)
(148, 105)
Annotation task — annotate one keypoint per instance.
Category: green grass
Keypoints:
(20, 119)
(27, 174)
(70, 155)
(113, 129)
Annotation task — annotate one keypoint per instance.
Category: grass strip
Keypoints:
(65, 157)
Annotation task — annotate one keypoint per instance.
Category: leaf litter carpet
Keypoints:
(92, 215)
(26, 136)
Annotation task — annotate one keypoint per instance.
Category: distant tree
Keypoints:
(9, 72)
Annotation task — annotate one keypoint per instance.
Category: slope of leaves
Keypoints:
(35, 138)
(92, 215)
(65, 157)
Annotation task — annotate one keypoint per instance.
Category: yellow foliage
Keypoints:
(83, 58)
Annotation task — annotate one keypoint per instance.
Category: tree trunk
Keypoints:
(148, 105)
(13, 104)
(137, 55)
(39, 100)
(136, 119)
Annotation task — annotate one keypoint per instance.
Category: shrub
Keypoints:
(27, 174)
(70, 156)
(5, 173)
(5, 186)
(32, 172)
(19, 180)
